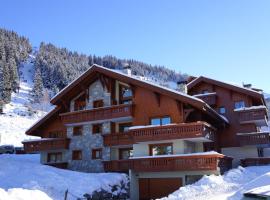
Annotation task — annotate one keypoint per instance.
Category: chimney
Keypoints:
(127, 69)
(182, 86)
(247, 85)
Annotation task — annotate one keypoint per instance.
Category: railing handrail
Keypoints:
(173, 163)
(173, 131)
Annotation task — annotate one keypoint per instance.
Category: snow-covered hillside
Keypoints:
(22, 177)
(231, 186)
(20, 114)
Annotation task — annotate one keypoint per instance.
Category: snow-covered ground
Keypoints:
(20, 114)
(22, 177)
(230, 186)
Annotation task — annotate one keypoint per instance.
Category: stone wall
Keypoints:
(97, 92)
(88, 141)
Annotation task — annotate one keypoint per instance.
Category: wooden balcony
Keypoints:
(117, 111)
(173, 163)
(255, 161)
(196, 130)
(253, 115)
(46, 144)
(209, 98)
(253, 138)
(116, 139)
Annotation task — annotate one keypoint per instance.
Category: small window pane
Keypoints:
(222, 110)
(165, 120)
(239, 104)
(161, 150)
(155, 121)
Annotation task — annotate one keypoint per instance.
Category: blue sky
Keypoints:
(227, 40)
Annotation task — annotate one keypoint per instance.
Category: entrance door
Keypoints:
(152, 188)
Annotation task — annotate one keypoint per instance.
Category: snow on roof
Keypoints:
(254, 133)
(250, 108)
(148, 126)
(205, 94)
(180, 155)
(153, 84)
(260, 191)
(228, 83)
(225, 118)
(41, 139)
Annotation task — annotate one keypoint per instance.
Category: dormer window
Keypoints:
(125, 94)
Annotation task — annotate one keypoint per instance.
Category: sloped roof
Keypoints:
(240, 89)
(185, 98)
(34, 127)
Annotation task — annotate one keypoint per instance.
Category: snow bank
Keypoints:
(22, 194)
(230, 186)
(24, 172)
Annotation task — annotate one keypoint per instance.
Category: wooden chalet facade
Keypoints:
(113, 122)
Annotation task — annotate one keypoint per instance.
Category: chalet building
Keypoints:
(114, 122)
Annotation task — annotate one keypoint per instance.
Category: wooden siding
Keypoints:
(227, 137)
(150, 104)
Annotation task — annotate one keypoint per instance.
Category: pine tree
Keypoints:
(37, 92)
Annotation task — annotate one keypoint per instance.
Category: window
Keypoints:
(96, 153)
(125, 153)
(98, 103)
(54, 157)
(239, 104)
(77, 155)
(161, 149)
(222, 110)
(124, 127)
(205, 92)
(125, 94)
(77, 130)
(80, 103)
(161, 121)
(97, 128)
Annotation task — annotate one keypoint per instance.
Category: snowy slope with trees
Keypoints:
(21, 112)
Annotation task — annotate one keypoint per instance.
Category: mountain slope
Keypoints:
(20, 114)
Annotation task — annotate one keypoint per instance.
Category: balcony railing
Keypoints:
(255, 161)
(46, 144)
(254, 114)
(173, 163)
(175, 131)
(254, 138)
(123, 110)
(209, 98)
